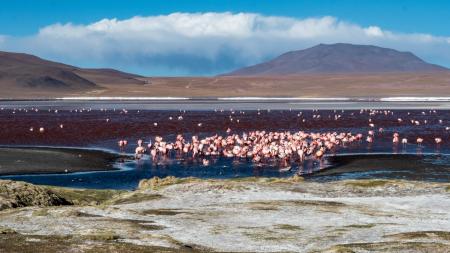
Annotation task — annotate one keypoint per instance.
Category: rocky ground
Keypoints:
(247, 215)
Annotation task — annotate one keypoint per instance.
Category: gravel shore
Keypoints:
(245, 215)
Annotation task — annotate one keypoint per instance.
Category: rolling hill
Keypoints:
(338, 70)
(30, 73)
(339, 58)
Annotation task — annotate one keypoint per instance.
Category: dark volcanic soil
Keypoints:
(15, 161)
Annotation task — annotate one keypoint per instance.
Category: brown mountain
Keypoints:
(24, 72)
(25, 76)
(339, 58)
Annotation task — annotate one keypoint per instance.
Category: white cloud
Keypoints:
(374, 31)
(207, 43)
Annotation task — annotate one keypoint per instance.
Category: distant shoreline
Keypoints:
(230, 103)
(238, 99)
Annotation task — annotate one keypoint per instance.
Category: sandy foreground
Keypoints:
(247, 215)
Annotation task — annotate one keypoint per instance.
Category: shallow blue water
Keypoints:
(131, 172)
(429, 167)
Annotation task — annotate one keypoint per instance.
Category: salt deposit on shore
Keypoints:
(264, 215)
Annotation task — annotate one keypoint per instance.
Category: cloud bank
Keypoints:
(207, 43)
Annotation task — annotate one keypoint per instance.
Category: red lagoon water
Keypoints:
(104, 128)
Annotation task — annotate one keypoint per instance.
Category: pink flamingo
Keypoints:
(319, 153)
(395, 139)
(419, 141)
(139, 151)
(404, 141)
(122, 144)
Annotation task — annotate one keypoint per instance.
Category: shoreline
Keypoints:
(234, 98)
(30, 160)
(230, 103)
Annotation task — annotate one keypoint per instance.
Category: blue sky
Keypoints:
(62, 30)
(21, 17)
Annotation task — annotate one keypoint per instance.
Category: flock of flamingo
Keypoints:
(260, 145)
(256, 145)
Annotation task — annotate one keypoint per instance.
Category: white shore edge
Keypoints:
(415, 99)
(122, 98)
(284, 98)
(382, 99)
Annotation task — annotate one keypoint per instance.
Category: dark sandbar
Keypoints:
(16, 161)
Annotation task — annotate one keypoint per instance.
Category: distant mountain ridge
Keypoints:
(24, 71)
(340, 58)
